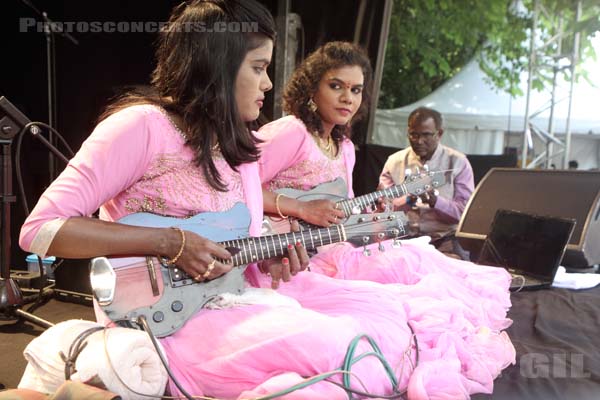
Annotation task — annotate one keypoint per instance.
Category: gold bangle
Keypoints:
(277, 206)
(180, 252)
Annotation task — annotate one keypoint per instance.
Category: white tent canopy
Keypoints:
(479, 119)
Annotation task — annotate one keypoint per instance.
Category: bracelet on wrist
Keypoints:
(174, 260)
(277, 206)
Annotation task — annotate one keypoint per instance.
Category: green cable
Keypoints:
(349, 361)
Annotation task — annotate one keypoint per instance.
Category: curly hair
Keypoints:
(305, 81)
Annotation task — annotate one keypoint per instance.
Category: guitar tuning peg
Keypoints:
(426, 168)
(365, 240)
(381, 247)
(396, 243)
(407, 172)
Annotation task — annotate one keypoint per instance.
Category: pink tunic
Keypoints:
(249, 350)
(290, 158)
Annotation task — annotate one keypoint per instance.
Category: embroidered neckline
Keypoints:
(173, 124)
(215, 149)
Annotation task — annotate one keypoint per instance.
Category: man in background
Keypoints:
(435, 213)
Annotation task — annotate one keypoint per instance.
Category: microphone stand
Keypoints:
(11, 299)
(49, 32)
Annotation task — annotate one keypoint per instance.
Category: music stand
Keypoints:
(12, 121)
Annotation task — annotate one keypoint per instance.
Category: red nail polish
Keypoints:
(290, 246)
(285, 261)
(299, 243)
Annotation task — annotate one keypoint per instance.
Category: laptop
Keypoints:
(529, 246)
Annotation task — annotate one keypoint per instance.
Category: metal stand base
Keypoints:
(11, 301)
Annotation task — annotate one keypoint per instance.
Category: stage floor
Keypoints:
(15, 335)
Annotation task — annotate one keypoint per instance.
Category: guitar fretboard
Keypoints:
(261, 248)
(370, 199)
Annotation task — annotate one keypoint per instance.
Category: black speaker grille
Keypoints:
(559, 193)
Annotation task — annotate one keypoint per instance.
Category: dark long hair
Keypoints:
(199, 54)
(305, 81)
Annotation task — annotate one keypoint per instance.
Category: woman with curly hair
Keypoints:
(326, 95)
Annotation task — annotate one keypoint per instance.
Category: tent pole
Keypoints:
(555, 69)
(574, 61)
(378, 72)
(532, 60)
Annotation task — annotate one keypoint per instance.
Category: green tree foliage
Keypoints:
(431, 40)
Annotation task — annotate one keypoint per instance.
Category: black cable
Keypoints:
(414, 335)
(141, 320)
(39, 302)
(76, 347)
(18, 158)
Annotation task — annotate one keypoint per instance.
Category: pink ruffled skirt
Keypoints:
(456, 309)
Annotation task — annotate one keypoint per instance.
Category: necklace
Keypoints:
(325, 144)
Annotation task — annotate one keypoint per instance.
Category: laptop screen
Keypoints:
(528, 244)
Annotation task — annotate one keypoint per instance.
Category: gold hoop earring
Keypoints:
(312, 106)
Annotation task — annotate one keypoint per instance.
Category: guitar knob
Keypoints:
(426, 168)
(177, 306)
(367, 252)
(158, 317)
(381, 247)
(396, 243)
(407, 172)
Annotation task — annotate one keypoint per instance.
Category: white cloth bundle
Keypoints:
(133, 359)
(566, 280)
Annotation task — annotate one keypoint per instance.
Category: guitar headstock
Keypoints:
(419, 183)
(365, 229)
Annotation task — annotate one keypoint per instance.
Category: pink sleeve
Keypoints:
(115, 156)
(349, 154)
(284, 144)
(253, 196)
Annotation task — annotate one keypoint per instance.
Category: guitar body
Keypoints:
(335, 190)
(174, 303)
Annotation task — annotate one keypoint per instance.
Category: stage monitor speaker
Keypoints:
(561, 193)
